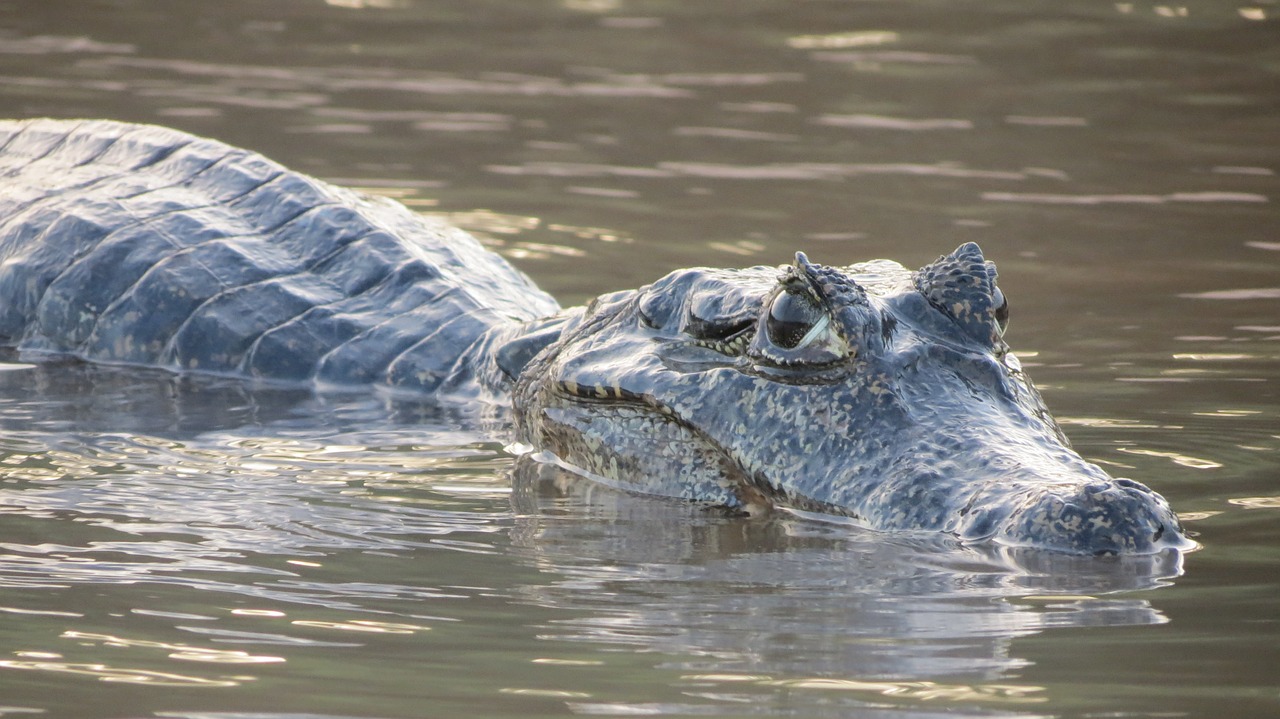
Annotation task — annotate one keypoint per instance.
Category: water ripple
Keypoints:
(880, 122)
(120, 675)
(895, 56)
(54, 44)
(774, 171)
(350, 79)
(1124, 199)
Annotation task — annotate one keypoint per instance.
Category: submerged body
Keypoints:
(143, 245)
(869, 391)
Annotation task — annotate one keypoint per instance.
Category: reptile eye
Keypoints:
(1002, 311)
(793, 318)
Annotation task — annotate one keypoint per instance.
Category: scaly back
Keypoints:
(143, 245)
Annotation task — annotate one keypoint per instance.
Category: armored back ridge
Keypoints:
(872, 392)
(138, 244)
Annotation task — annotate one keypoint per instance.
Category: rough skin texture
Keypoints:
(869, 391)
(143, 245)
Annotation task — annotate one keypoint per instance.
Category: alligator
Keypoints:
(870, 393)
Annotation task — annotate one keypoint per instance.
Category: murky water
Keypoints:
(198, 548)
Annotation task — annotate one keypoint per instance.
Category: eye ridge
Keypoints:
(652, 311)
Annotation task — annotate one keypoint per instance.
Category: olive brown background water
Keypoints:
(187, 547)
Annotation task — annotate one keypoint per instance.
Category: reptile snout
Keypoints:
(1104, 517)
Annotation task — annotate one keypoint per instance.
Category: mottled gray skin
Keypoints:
(142, 245)
(871, 391)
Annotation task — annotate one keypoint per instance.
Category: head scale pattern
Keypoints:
(963, 285)
(844, 298)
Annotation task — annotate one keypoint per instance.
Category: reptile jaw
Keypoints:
(613, 435)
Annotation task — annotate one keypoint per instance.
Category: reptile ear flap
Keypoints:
(514, 355)
(963, 285)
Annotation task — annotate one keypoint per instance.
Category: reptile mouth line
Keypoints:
(869, 390)
(756, 497)
(568, 388)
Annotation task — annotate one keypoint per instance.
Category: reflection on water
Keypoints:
(658, 577)
(235, 529)
(201, 547)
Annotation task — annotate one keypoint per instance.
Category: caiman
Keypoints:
(871, 392)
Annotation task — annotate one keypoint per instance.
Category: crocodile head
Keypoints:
(867, 391)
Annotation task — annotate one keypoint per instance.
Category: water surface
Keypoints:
(188, 547)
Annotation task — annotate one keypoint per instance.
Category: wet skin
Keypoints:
(869, 391)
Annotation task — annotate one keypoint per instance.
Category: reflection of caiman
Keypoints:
(869, 391)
